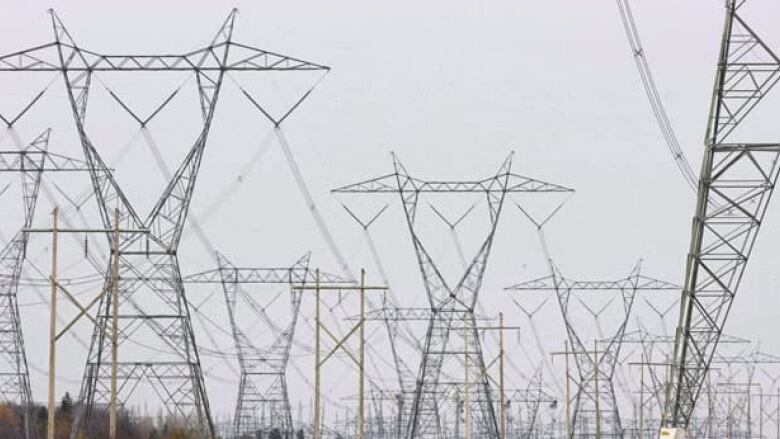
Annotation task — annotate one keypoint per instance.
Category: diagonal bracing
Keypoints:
(153, 314)
(594, 400)
(31, 162)
(263, 403)
(451, 305)
(736, 182)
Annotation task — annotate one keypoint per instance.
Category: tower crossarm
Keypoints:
(503, 183)
(548, 283)
(398, 314)
(35, 157)
(255, 275)
(751, 358)
(642, 336)
(596, 377)
(453, 301)
(148, 260)
(38, 160)
(243, 57)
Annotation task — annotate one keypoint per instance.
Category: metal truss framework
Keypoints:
(14, 374)
(451, 305)
(152, 293)
(263, 403)
(31, 162)
(595, 396)
(736, 182)
(653, 346)
(392, 316)
(531, 397)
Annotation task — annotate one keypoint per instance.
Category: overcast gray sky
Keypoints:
(451, 87)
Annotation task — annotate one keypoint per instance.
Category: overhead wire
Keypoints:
(306, 193)
(203, 239)
(311, 204)
(195, 223)
(455, 235)
(656, 103)
(539, 224)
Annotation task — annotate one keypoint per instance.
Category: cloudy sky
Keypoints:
(451, 88)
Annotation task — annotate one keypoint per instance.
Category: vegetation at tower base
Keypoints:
(130, 426)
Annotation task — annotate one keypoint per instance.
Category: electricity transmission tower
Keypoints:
(595, 403)
(736, 182)
(153, 305)
(30, 161)
(263, 404)
(451, 305)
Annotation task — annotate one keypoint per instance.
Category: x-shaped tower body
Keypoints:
(263, 403)
(153, 311)
(595, 396)
(451, 305)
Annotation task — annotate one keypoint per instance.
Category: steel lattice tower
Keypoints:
(451, 305)
(263, 403)
(31, 162)
(153, 304)
(595, 377)
(14, 374)
(736, 182)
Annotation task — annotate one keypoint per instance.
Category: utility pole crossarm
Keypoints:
(595, 376)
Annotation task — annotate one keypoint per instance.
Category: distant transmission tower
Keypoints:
(595, 405)
(153, 306)
(263, 403)
(451, 306)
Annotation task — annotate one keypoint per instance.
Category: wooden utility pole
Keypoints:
(500, 359)
(361, 366)
(568, 392)
(502, 407)
(642, 398)
(114, 328)
(749, 414)
(340, 345)
(596, 384)
(761, 412)
(711, 409)
(54, 335)
(467, 398)
(566, 352)
(733, 389)
(642, 390)
(317, 358)
(52, 329)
